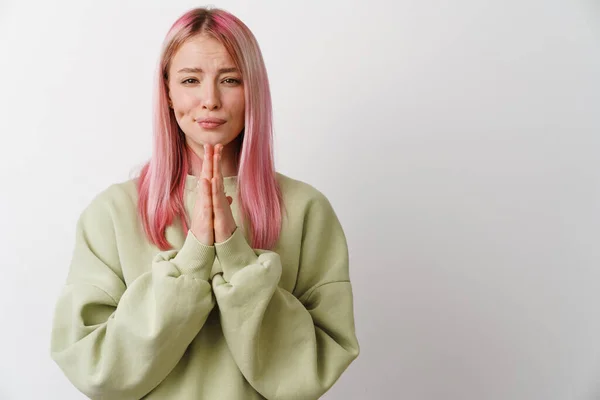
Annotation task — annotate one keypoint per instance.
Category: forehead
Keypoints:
(201, 51)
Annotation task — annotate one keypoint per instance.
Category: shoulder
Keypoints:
(304, 197)
(296, 187)
(299, 190)
(113, 201)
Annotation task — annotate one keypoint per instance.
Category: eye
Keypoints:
(232, 81)
(189, 79)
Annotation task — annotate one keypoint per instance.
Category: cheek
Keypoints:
(239, 107)
(183, 102)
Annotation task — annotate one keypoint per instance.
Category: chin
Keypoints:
(214, 138)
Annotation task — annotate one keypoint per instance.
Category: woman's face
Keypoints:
(204, 83)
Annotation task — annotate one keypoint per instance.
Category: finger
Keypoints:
(207, 203)
(214, 197)
(221, 167)
(216, 194)
(205, 192)
(218, 168)
(215, 154)
(207, 162)
(217, 210)
(203, 171)
(218, 156)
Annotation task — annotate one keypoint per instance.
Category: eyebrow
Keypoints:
(196, 70)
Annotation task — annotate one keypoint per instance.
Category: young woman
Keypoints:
(211, 275)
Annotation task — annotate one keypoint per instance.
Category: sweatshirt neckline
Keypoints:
(191, 182)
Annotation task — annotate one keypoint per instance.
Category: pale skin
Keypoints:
(204, 83)
(213, 220)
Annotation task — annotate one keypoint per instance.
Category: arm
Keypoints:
(117, 342)
(289, 346)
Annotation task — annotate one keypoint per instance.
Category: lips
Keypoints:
(209, 123)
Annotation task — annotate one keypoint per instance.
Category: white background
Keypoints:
(458, 142)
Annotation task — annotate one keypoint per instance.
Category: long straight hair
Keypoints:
(161, 184)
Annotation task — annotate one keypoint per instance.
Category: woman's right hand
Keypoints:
(202, 219)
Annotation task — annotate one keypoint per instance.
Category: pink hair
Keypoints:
(162, 179)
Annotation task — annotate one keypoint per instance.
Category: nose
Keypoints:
(210, 98)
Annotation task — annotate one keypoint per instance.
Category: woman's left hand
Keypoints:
(224, 223)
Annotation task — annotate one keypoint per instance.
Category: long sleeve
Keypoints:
(116, 342)
(289, 345)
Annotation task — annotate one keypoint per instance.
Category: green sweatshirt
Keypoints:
(205, 322)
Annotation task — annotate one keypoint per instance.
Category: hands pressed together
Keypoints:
(212, 219)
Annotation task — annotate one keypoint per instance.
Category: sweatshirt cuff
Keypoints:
(195, 258)
(234, 254)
